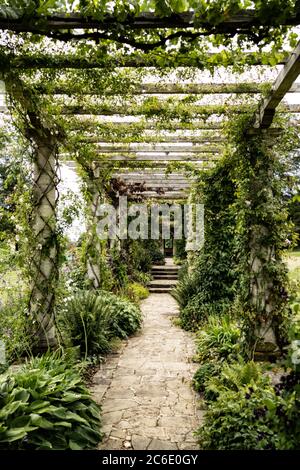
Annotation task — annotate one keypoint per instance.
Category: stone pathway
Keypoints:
(145, 390)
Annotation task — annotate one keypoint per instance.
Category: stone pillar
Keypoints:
(43, 245)
(94, 247)
(44, 259)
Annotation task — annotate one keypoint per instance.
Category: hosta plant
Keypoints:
(45, 405)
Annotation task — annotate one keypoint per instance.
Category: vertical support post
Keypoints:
(98, 272)
(43, 244)
(44, 259)
(262, 230)
(93, 245)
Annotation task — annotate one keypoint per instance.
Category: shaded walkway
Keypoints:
(145, 390)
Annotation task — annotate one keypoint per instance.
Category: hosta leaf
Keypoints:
(75, 417)
(13, 435)
(65, 424)
(22, 395)
(41, 422)
(36, 405)
(74, 445)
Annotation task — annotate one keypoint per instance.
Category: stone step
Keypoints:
(164, 271)
(163, 283)
(166, 276)
(159, 290)
(165, 266)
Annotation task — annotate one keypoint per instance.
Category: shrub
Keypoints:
(232, 377)
(119, 269)
(219, 340)
(92, 319)
(85, 320)
(141, 278)
(139, 257)
(203, 374)
(241, 420)
(153, 248)
(124, 317)
(13, 328)
(197, 312)
(248, 412)
(46, 406)
(137, 292)
(185, 288)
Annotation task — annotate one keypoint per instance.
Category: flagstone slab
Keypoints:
(145, 392)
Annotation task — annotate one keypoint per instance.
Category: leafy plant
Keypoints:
(45, 405)
(137, 292)
(241, 420)
(232, 376)
(203, 374)
(246, 411)
(141, 278)
(84, 319)
(14, 328)
(124, 317)
(219, 340)
(91, 320)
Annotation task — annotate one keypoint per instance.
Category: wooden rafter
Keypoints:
(194, 109)
(281, 86)
(169, 89)
(70, 62)
(163, 158)
(239, 22)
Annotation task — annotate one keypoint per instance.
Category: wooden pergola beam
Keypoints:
(99, 126)
(281, 86)
(194, 109)
(155, 156)
(168, 89)
(166, 195)
(163, 89)
(166, 148)
(239, 22)
(158, 139)
(129, 61)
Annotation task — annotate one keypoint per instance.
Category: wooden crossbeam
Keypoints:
(127, 61)
(194, 109)
(152, 186)
(162, 89)
(166, 139)
(103, 130)
(150, 174)
(165, 196)
(156, 156)
(281, 86)
(167, 89)
(241, 21)
(160, 147)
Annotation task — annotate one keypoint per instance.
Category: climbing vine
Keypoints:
(262, 174)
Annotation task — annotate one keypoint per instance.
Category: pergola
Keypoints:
(133, 117)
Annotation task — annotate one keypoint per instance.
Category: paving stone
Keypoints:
(111, 443)
(158, 444)
(98, 392)
(118, 392)
(115, 404)
(140, 442)
(188, 446)
(120, 433)
(111, 416)
(146, 394)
